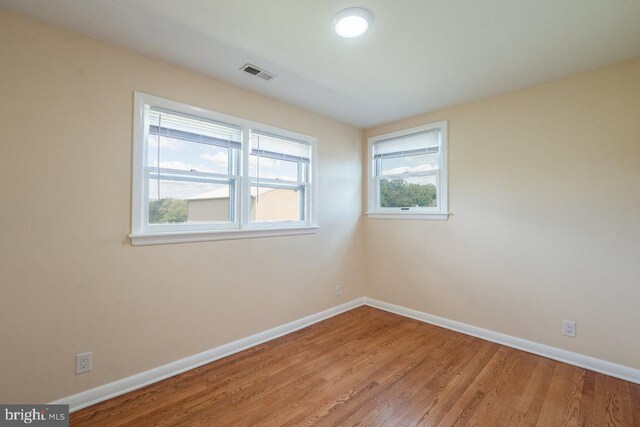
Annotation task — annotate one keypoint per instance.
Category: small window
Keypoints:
(408, 173)
(201, 175)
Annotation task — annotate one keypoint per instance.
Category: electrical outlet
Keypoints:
(338, 290)
(83, 363)
(569, 328)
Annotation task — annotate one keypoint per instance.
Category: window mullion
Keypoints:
(144, 203)
(267, 182)
(189, 178)
(302, 201)
(245, 181)
(182, 172)
(281, 185)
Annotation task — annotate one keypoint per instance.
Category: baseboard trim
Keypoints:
(587, 362)
(125, 385)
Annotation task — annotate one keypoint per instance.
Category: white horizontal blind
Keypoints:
(266, 145)
(199, 130)
(409, 145)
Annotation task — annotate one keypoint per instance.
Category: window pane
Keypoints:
(278, 158)
(276, 204)
(186, 202)
(409, 164)
(188, 156)
(411, 192)
(272, 168)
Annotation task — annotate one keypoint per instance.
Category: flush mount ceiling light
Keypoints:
(352, 22)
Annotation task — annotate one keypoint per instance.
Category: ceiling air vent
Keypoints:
(258, 72)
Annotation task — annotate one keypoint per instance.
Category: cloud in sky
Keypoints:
(165, 143)
(273, 168)
(219, 159)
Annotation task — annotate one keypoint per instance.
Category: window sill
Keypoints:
(204, 236)
(409, 216)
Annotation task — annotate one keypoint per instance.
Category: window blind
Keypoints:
(275, 147)
(418, 143)
(183, 127)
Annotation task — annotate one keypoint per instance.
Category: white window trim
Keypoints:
(142, 234)
(439, 213)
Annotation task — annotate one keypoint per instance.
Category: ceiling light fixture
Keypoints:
(352, 22)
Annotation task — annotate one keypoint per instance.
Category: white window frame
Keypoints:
(440, 212)
(143, 233)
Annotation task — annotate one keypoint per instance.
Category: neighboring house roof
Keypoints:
(223, 193)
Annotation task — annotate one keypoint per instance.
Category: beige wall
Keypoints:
(69, 279)
(544, 187)
(545, 190)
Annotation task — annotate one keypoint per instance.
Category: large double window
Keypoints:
(201, 175)
(407, 173)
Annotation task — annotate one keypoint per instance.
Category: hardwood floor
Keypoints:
(370, 367)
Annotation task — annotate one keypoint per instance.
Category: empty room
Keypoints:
(328, 212)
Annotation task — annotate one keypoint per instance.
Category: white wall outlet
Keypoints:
(569, 328)
(338, 290)
(83, 363)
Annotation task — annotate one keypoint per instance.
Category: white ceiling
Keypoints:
(418, 56)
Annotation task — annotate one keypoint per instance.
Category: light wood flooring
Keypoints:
(370, 367)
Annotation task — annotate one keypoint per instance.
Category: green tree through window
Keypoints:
(168, 210)
(397, 193)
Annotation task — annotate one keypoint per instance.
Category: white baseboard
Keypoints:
(125, 385)
(608, 368)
